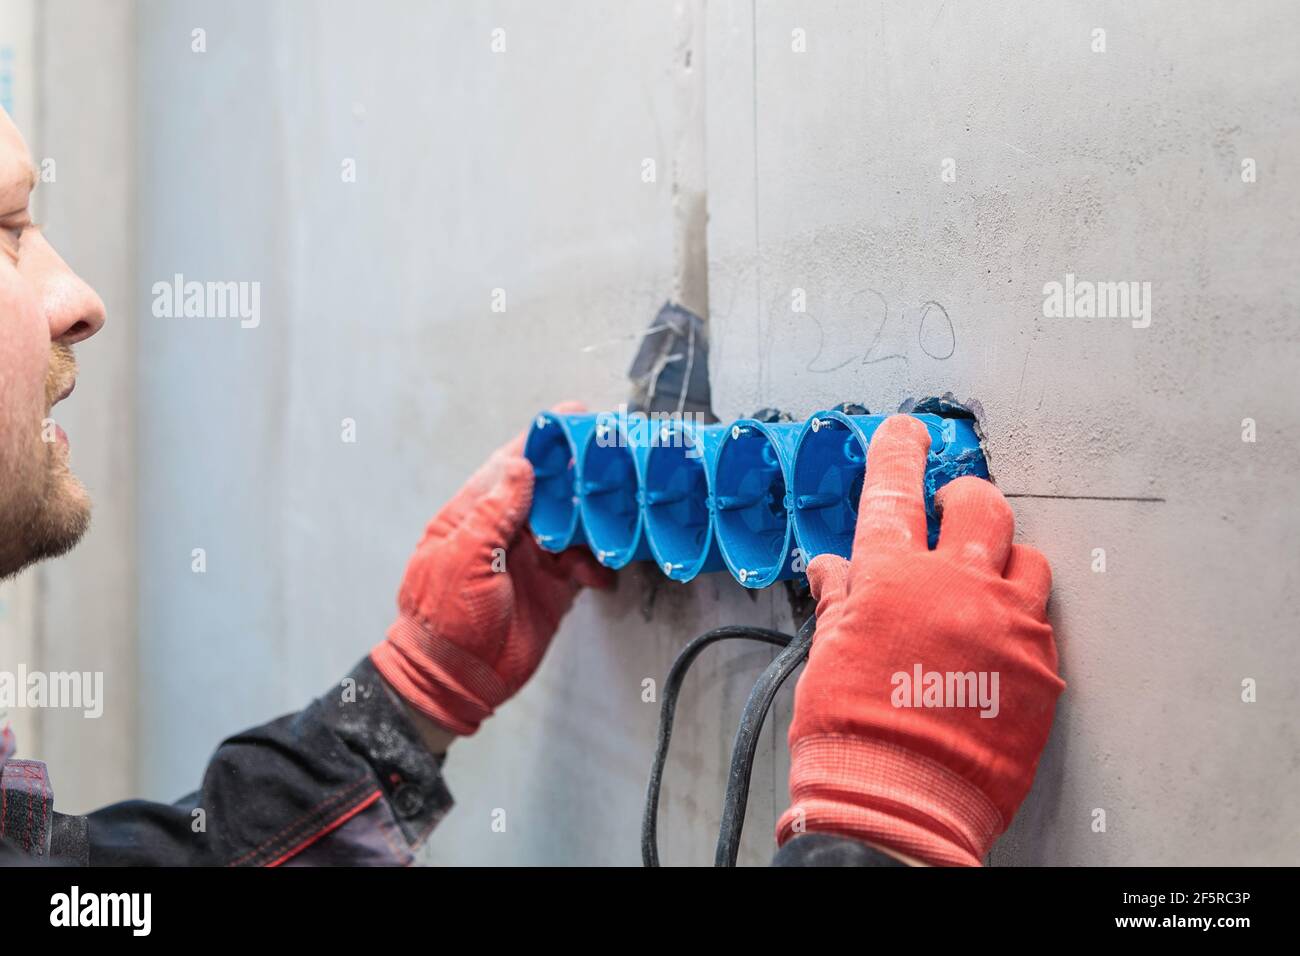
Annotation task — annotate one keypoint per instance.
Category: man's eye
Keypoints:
(12, 234)
(15, 233)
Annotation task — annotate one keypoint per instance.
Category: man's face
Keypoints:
(44, 309)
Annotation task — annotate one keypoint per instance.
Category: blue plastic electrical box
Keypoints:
(751, 502)
(678, 499)
(760, 499)
(830, 465)
(609, 481)
(552, 446)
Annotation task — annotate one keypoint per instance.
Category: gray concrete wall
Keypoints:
(522, 171)
(1118, 165)
(475, 171)
(87, 126)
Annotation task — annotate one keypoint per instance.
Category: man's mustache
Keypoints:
(62, 373)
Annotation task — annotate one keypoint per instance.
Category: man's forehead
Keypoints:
(16, 172)
(15, 161)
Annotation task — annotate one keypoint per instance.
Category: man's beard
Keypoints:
(49, 510)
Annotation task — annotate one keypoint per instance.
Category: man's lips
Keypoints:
(60, 435)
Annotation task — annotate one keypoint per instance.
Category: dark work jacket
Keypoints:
(347, 781)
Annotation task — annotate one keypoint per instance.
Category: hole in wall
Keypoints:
(947, 406)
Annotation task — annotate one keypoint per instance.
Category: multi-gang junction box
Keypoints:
(760, 499)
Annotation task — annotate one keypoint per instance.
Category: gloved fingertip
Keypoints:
(514, 448)
(498, 515)
(828, 576)
(518, 472)
(904, 430)
(519, 480)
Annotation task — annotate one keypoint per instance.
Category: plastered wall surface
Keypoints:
(475, 171)
(88, 598)
(523, 171)
(1123, 165)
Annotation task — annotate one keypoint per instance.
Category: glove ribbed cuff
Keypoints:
(890, 796)
(439, 679)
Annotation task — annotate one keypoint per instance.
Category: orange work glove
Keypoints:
(481, 601)
(876, 754)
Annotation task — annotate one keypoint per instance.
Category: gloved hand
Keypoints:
(936, 784)
(481, 600)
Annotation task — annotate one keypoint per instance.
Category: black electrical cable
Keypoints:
(672, 686)
(742, 752)
(794, 652)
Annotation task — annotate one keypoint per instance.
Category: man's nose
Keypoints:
(74, 310)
